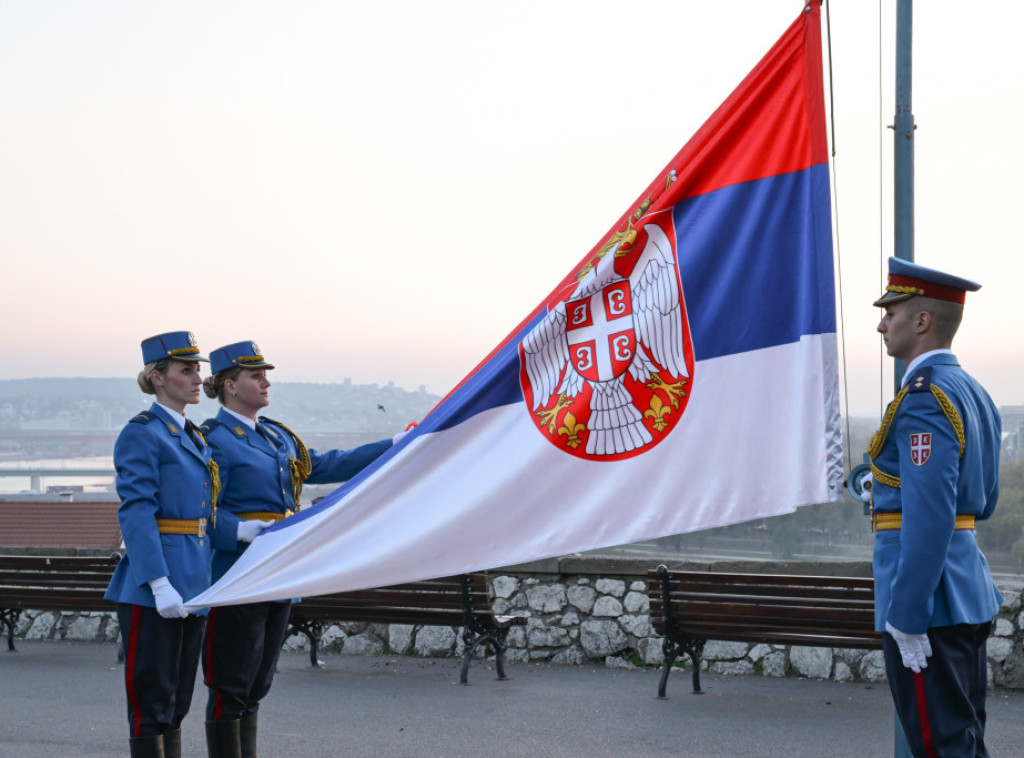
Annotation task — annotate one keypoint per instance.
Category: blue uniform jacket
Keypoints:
(160, 474)
(927, 573)
(255, 475)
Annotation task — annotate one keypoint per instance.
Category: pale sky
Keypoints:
(381, 191)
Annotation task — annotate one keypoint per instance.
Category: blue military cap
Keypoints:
(907, 280)
(244, 354)
(181, 346)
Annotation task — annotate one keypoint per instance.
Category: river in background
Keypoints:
(16, 478)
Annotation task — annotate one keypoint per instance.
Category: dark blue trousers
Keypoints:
(160, 665)
(240, 655)
(942, 708)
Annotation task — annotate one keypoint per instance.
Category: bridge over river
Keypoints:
(37, 471)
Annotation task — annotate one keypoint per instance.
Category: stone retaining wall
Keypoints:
(593, 608)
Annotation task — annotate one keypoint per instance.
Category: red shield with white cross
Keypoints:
(920, 447)
(599, 329)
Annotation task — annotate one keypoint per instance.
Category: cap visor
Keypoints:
(891, 297)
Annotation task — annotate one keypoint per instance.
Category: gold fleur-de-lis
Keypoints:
(571, 430)
(657, 413)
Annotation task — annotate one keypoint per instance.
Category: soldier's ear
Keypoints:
(923, 321)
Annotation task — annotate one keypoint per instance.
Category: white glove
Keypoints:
(914, 648)
(249, 530)
(168, 601)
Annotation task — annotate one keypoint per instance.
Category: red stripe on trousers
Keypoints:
(129, 671)
(922, 713)
(211, 633)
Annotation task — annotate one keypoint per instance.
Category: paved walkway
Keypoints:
(64, 698)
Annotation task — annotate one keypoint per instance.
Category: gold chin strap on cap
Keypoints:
(904, 290)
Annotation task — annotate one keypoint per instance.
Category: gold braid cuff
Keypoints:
(299, 468)
(214, 489)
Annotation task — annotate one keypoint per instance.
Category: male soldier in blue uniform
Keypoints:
(935, 462)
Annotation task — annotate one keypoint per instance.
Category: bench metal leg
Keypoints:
(314, 632)
(671, 650)
(494, 639)
(9, 617)
(499, 659)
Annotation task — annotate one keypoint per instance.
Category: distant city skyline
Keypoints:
(382, 191)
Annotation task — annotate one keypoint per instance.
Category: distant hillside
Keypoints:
(89, 403)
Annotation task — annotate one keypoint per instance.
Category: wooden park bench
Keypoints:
(463, 600)
(690, 607)
(53, 583)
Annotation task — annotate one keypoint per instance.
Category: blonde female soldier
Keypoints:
(167, 485)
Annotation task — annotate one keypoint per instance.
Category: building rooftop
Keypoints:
(59, 522)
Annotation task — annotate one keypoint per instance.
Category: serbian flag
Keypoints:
(682, 376)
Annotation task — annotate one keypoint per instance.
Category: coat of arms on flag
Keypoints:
(640, 360)
(607, 373)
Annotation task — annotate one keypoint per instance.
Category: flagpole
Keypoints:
(903, 206)
(903, 145)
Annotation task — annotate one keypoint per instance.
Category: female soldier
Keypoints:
(168, 489)
(262, 465)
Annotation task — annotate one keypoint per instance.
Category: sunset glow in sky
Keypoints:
(381, 191)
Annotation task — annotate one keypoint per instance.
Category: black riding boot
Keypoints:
(147, 747)
(222, 740)
(172, 744)
(247, 730)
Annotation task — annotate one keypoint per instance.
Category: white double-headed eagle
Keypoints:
(615, 425)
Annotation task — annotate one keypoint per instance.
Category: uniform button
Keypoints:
(281, 470)
(205, 485)
(283, 492)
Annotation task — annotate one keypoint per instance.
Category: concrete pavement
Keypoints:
(65, 698)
